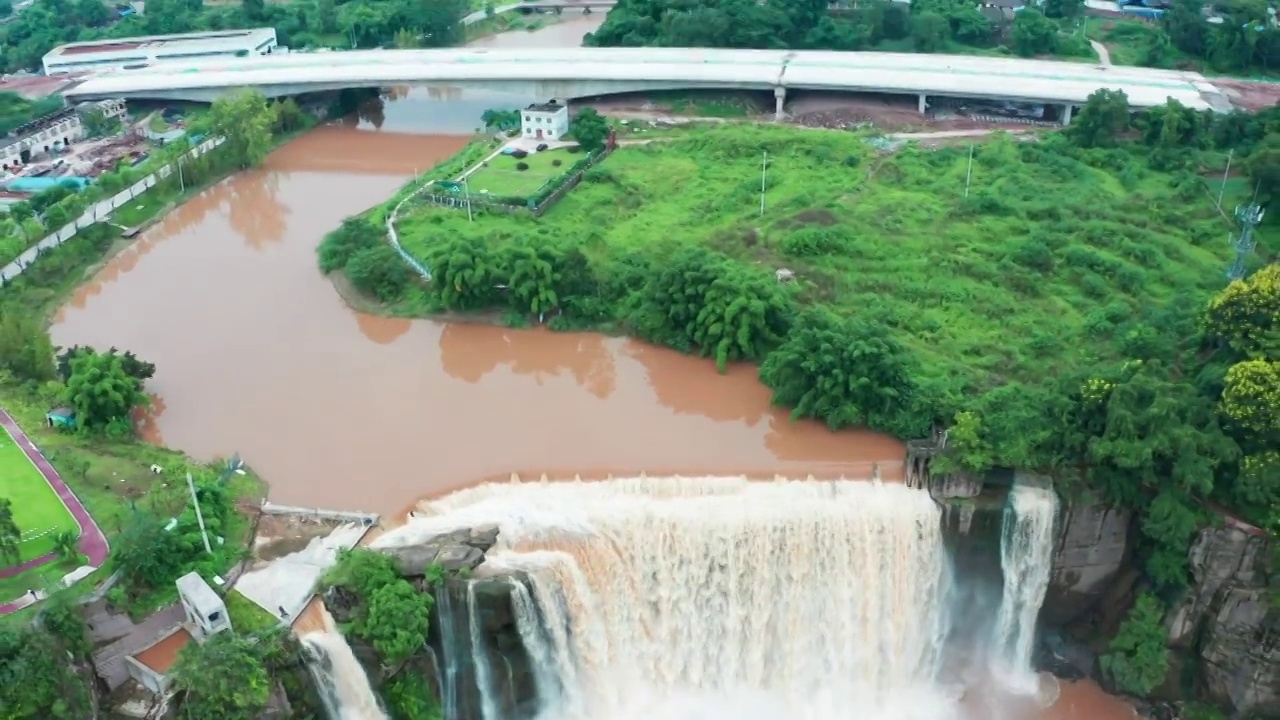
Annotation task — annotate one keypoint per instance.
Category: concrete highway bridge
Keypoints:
(565, 74)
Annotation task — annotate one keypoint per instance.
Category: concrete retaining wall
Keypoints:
(270, 508)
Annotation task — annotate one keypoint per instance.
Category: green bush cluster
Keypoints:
(391, 614)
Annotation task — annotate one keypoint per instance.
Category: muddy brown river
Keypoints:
(256, 353)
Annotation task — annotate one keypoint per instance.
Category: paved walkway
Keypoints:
(1104, 56)
(92, 542)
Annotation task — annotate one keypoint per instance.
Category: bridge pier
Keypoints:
(1066, 113)
(779, 100)
(923, 103)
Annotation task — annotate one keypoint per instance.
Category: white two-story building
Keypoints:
(545, 121)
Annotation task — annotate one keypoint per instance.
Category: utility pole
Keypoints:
(968, 173)
(1223, 189)
(1250, 216)
(466, 189)
(764, 168)
(181, 180)
(199, 518)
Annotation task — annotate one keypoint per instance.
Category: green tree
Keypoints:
(534, 276)
(1138, 659)
(289, 116)
(1063, 8)
(929, 32)
(10, 534)
(590, 129)
(701, 301)
(97, 124)
(844, 372)
(396, 621)
(134, 367)
(407, 39)
(464, 274)
(60, 616)
(223, 678)
(379, 271)
(6, 8)
(146, 554)
(967, 450)
(1033, 33)
(353, 236)
(1247, 312)
(253, 9)
(25, 349)
(1251, 397)
(244, 120)
(1102, 120)
(100, 389)
(67, 544)
(1256, 485)
(39, 683)
(1263, 168)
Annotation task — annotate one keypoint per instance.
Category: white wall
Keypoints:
(97, 213)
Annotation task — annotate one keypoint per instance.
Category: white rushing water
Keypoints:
(701, 598)
(1026, 557)
(341, 681)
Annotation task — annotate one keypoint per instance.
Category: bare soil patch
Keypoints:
(1251, 96)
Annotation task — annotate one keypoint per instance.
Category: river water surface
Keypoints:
(256, 353)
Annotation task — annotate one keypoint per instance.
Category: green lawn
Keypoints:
(37, 510)
(500, 177)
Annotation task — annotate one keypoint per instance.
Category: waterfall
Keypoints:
(344, 688)
(484, 674)
(451, 652)
(690, 598)
(1026, 557)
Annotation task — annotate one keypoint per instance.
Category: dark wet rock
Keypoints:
(341, 604)
(454, 551)
(278, 707)
(1092, 550)
(1065, 658)
(498, 644)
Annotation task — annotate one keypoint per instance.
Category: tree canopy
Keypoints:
(222, 678)
(101, 390)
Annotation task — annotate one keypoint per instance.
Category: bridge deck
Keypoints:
(591, 71)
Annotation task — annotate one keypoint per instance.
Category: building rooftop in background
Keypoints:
(125, 53)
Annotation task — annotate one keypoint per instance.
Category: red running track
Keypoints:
(92, 542)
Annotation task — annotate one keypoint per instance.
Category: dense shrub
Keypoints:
(522, 166)
(339, 246)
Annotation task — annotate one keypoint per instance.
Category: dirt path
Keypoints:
(92, 542)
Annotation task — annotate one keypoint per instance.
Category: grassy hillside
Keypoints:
(1054, 249)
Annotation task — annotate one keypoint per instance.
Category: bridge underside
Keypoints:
(541, 90)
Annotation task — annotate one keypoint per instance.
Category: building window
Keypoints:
(215, 616)
(528, 118)
(551, 133)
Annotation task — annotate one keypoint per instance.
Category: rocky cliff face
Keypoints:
(475, 651)
(1092, 550)
(1226, 619)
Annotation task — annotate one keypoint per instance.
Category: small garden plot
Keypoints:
(37, 510)
(501, 177)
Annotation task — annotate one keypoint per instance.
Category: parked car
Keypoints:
(542, 147)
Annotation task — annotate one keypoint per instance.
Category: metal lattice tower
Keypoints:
(1250, 216)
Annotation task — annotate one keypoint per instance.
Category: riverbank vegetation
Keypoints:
(136, 492)
(928, 26)
(299, 24)
(1049, 300)
(101, 459)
